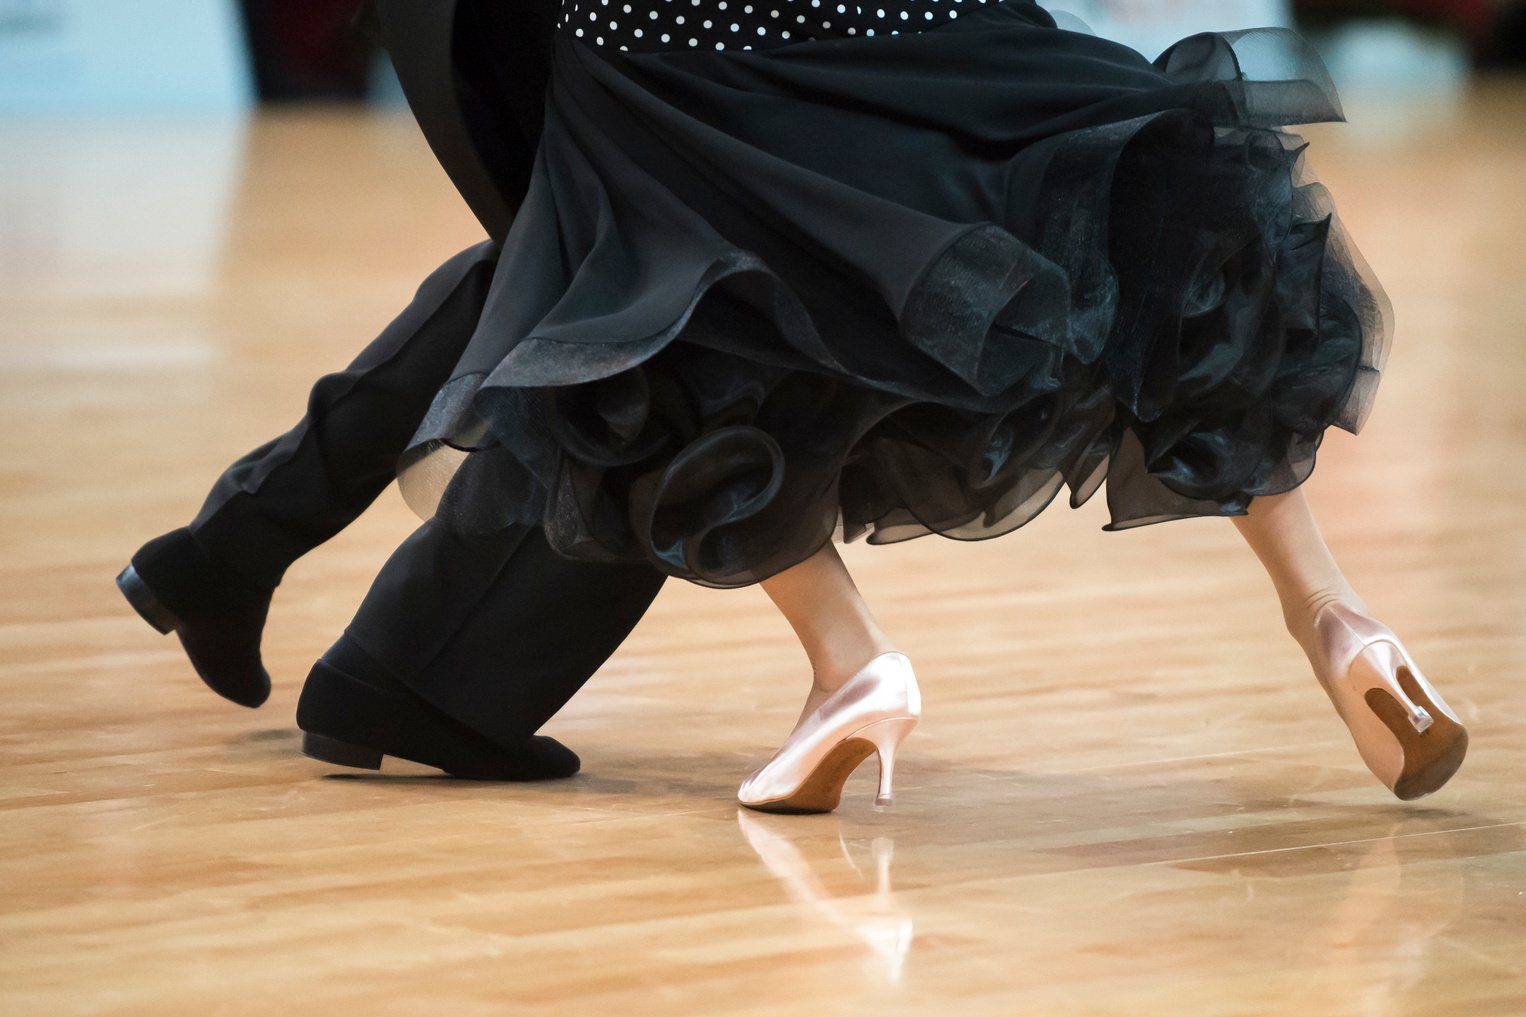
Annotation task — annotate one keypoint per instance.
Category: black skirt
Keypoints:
(893, 285)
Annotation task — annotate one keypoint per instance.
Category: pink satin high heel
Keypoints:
(870, 715)
(1406, 734)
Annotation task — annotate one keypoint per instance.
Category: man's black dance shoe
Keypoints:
(219, 616)
(352, 713)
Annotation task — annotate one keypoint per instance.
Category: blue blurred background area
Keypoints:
(109, 57)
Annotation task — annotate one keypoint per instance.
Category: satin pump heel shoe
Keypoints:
(868, 716)
(1406, 734)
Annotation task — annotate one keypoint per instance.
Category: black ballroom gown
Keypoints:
(794, 271)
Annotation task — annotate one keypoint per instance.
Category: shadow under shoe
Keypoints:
(219, 616)
(352, 713)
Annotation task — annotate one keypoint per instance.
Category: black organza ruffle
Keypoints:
(905, 285)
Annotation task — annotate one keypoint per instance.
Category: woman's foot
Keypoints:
(868, 714)
(1406, 733)
(863, 698)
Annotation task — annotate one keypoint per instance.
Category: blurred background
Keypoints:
(202, 56)
(156, 101)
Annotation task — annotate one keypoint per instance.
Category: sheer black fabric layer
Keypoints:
(906, 285)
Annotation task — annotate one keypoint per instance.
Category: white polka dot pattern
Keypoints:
(656, 25)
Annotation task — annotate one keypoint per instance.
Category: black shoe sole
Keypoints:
(144, 602)
(332, 750)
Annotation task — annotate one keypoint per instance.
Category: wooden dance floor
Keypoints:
(1128, 794)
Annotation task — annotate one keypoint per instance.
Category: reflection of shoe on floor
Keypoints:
(1372, 924)
(353, 713)
(219, 616)
(883, 926)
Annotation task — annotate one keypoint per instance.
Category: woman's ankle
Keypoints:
(840, 658)
(1299, 615)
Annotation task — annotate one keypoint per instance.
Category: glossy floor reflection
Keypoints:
(1127, 796)
(799, 856)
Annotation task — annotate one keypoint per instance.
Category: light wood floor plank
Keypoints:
(1128, 796)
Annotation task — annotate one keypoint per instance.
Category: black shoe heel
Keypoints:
(144, 602)
(332, 750)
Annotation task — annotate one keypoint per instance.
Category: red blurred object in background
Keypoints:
(1494, 30)
(307, 49)
(1470, 15)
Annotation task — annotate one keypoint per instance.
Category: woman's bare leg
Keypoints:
(1281, 529)
(821, 603)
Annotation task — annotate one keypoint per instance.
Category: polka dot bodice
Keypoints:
(656, 25)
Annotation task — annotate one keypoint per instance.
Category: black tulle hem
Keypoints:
(712, 349)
